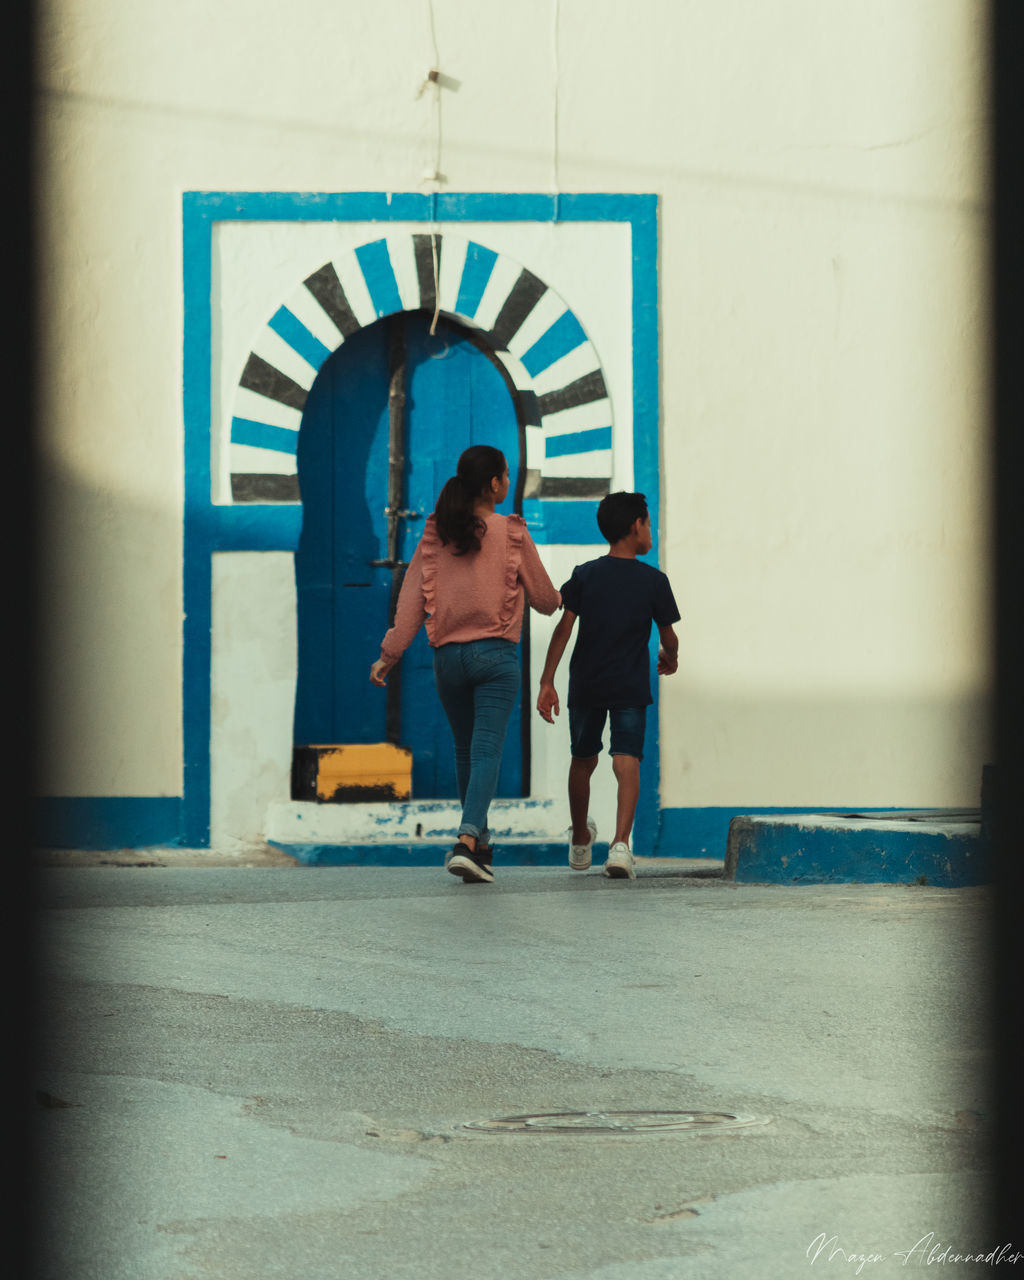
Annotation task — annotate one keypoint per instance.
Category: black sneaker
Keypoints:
(473, 865)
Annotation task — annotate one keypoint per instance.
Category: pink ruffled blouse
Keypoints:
(478, 596)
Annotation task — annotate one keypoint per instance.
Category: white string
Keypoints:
(434, 230)
(554, 113)
(433, 34)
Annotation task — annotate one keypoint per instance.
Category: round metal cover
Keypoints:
(617, 1122)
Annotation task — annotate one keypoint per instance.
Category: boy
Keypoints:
(616, 598)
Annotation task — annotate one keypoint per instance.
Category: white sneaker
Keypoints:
(579, 854)
(620, 864)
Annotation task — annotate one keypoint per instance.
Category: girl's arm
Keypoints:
(410, 614)
(541, 592)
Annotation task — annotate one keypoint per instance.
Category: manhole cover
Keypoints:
(617, 1122)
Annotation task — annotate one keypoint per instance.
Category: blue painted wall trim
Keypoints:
(199, 518)
(574, 442)
(266, 527)
(405, 206)
(565, 335)
(289, 327)
(252, 527)
(570, 521)
(107, 822)
(264, 435)
(477, 271)
(380, 277)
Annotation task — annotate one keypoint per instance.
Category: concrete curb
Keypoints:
(815, 848)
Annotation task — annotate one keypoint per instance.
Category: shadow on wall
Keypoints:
(110, 744)
(109, 644)
(830, 752)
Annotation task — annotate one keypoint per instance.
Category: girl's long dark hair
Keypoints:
(456, 521)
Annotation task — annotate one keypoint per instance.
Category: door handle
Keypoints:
(388, 564)
(403, 513)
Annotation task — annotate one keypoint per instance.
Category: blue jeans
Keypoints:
(477, 682)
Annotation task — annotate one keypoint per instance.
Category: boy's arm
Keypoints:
(547, 699)
(668, 653)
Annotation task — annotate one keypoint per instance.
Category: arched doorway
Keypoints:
(382, 429)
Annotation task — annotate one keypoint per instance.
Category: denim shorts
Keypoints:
(586, 724)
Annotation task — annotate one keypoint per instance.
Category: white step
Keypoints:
(305, 822)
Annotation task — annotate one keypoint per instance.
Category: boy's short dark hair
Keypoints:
(617, 511)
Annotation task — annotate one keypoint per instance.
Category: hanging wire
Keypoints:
(433, 34)
(554, 113)
(434, 229)
(434, 235)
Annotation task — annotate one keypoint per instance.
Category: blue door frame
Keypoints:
(210, 528)
(453, 397)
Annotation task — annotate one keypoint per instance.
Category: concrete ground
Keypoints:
(252, 1069)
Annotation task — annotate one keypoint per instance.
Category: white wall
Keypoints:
(252, 688)
(823, 203)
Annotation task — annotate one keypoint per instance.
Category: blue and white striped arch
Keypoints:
(543, 346)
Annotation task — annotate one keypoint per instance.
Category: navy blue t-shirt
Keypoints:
(616, 599)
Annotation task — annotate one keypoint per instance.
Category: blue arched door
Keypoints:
(392, 393)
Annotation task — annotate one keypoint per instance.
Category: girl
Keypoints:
(468, 580)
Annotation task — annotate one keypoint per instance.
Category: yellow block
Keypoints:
(362, 771)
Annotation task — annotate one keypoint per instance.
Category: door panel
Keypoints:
(342, 465)
(454, 397)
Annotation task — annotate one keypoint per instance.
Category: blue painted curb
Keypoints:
(827, 849)
(419, 854)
